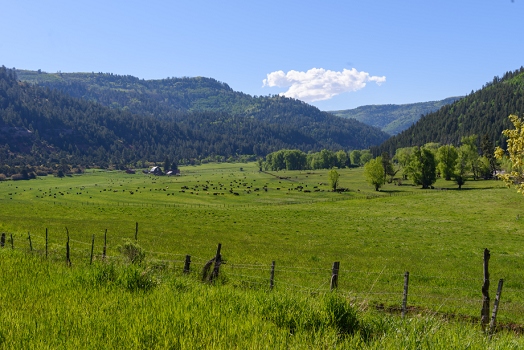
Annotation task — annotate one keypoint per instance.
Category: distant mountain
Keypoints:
(393, 119)
(482, 112)
(43, 126)
(168, 99)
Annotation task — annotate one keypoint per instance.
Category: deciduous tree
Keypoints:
(333, 176)
(515, 151)
(422, 168)
(374, 173)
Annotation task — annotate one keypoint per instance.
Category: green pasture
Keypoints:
(437, 235)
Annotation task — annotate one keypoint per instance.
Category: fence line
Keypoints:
(423, 293)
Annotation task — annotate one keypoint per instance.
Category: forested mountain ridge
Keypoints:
(43, 126)
(482, 112)
(166, 98)
(391, 118)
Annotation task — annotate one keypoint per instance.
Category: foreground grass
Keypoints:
(47, 305)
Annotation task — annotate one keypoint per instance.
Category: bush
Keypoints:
(134, 279)
(133, 251)
(41, 173)
(17, 177)
(3, 177)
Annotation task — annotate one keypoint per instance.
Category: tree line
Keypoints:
(293, 159)
(474, 158)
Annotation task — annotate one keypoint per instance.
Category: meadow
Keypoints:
(289, 217)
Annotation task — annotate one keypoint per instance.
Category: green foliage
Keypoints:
(365, 156)
(462, 165)
(333, 177)
(422, 167)
(514, 155)
(298, 160)
(374, 173)
(354, 156)
(482, 112)
(470, 152)
(387, 165)
(447, 158)
(488, 151)
(135, 279)
(132, 251)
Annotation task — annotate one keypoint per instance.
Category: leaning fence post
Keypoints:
(187, 263)
(68, 258)
(2, 240)
(272, 276)
(405, 296)
(495, 308)
(334, 275)
(484, 314)
(218, 261)
(92, 249)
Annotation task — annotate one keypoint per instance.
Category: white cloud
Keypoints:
(318, 84)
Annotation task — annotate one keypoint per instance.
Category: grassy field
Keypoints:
(291, 218)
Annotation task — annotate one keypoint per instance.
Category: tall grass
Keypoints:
(47, 305)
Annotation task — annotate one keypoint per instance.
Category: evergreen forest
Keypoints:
(482, 112)
(43, 126)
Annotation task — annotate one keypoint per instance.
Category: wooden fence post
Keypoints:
(334, 275)
(405, 296)
(136, 232)
(30, 243)
(105, 245)
(218, 261)
(484, 314)
(92, 249)
(272, 276)
(46, 243)
(68, 257)
(2, 240)
(495, 308)
(12, 242)
(187, 264)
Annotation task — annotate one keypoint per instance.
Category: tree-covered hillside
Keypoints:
(163, 98)
(42, 126)
(482, 112)
(393, 119)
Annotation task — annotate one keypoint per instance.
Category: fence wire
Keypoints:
(381, 289)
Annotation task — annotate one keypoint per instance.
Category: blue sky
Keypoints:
(332, 54)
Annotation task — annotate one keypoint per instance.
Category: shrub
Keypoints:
(133, 251)
(135, 278)
(17, 177)
(2, 177)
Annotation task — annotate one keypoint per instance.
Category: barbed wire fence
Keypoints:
(444, 295)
